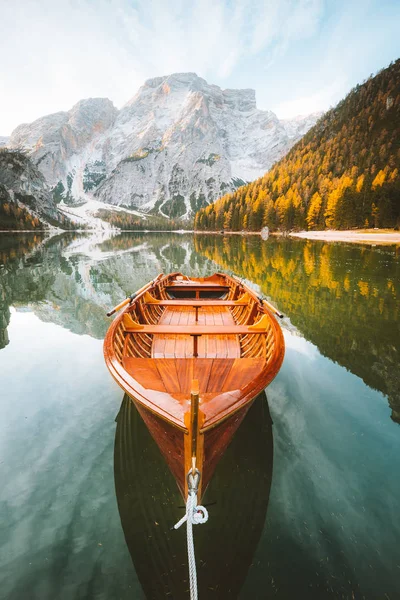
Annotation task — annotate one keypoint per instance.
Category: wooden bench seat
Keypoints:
(208, 346)
(198, 288)
(196, 285)
(196, 303)
(197, 329)
(212, 332)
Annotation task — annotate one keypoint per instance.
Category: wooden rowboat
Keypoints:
(193, 354)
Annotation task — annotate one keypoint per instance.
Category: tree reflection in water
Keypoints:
(343, 298)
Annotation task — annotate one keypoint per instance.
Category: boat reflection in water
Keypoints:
(150, 504)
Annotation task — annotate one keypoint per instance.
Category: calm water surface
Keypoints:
(306, 507)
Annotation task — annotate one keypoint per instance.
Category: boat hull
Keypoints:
(174, 444)
(149, 505)
(193, 354)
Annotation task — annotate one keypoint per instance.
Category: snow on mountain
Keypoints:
(62, 144)
(3, 140)
(86, 214)
(298, 126)
(177, 145)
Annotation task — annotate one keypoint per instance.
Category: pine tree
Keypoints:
(350, 159)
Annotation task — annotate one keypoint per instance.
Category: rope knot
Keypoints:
(200, 515)
(195, 515)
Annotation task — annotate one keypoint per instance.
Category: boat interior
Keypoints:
(210, 329)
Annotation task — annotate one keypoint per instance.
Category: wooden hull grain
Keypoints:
(149, 504)
(193, 354)
(172, 441)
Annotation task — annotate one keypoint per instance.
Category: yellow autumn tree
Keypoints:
(379, 179)
(360, 183)
(333, 199)
(314, 209)
(228, 218)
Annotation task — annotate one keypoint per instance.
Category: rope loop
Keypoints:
(200, 515)
(195, 515)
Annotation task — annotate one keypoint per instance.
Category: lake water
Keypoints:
(305, 504)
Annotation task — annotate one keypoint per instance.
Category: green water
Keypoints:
(328, 522)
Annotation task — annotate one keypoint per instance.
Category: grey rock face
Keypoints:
(177, 145)
(56, 142)
(298, 126)
(21, 182)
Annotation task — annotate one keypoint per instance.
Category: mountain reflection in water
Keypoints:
(331, 528)
(73, 279)
(345, 299)
(149, 504)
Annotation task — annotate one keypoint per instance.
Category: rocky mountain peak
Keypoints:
(98, 113)
(176, 81)
(297, 126)
(177, 145)
(242, 100)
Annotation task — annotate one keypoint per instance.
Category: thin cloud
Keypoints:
(314, 102)
(281, 23)
(60, 52)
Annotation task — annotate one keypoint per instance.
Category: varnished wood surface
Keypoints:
(175, 376)
(149, 504)
(198, 303)
(155, 350)
(205, 286)
(178, 342)
(195, 330)
(179, 287)
(172, 446)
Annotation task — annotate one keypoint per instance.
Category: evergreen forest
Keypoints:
(344, 173)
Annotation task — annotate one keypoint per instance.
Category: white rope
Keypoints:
(195, 515)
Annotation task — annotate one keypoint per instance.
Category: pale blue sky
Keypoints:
(299, 56)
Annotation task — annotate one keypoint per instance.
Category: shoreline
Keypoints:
(358, 236)
(361, 236)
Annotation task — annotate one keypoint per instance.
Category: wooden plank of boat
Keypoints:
(197, 303)
(194, 366)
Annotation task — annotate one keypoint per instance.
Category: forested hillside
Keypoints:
(130, 222)
(25, 198)
(343, 173)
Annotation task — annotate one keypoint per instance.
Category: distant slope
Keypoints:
(26, 201)
(343, 173)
